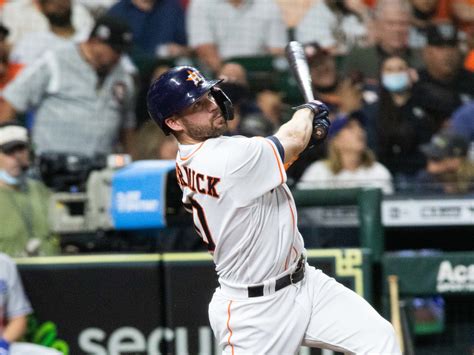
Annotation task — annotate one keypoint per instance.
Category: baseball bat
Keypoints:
(300, 69)
(395, 309)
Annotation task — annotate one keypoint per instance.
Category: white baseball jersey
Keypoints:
(241, 205)
(235, 187)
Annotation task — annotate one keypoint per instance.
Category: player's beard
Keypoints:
(203, 133)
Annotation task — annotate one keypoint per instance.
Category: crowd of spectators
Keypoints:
(398, 76)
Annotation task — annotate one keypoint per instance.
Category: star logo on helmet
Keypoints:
(196, 77)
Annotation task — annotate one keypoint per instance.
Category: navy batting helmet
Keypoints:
(179, 88)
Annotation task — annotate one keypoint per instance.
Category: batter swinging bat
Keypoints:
(300, 70)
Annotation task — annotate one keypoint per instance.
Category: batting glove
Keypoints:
(321, 121)
(4, 347)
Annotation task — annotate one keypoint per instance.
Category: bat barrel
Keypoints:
(299, 67)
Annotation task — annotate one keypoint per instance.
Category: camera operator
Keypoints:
(23, 201)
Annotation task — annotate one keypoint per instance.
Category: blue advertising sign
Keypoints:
(139, 195)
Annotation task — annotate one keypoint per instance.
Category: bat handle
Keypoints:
(308, 96)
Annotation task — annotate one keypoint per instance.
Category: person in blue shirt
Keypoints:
(158, 27)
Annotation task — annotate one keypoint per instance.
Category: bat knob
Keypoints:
(320, 131)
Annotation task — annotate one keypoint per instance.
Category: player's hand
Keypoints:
(321, 121)
(4, 347)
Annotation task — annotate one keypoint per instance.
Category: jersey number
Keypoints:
(204, 231)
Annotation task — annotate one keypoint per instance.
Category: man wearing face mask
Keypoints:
(398, 124)
(61, 31)
(23, 201)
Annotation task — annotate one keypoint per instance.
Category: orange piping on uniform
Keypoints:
(290, 163)
(293, 220)
(228, 327)
(278, 161)
(291, 210)
(289, 257)
(192, 153)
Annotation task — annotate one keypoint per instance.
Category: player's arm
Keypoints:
(295, 135)
(15, 329)
(28, 88)
(7, 111)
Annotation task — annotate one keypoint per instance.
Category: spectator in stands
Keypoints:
(222, 29)
(448, 169)
(342, 95)
(424, 14)
(8, 70)
(397, 125)
(83, 94)
(61, 31)
(293, 12)
(152, 143)
(97, 8)
(462, 121)
(23, 201)
(4, 32)
(272, 106)
(337, 25)
(157, 25)
(444, 71)
(462, 12)
(25, 16)
(391, 27)
(248, 119)
(350, 162)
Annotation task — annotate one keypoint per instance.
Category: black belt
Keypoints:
(282, 282)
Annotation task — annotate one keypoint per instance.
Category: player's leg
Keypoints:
(342, 320)
(271, 324)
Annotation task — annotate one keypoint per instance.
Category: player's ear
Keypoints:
(174, 124)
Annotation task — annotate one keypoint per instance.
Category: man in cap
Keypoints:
(23, 201)
(443, 71)
(82, 93)
(448, 169)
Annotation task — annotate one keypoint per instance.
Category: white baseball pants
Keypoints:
(316, 312)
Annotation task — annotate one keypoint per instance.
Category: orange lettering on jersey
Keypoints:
(179, 176)
(199, 178)
(211, 186)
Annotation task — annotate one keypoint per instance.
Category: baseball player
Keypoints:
(270, 301)
(14, 309)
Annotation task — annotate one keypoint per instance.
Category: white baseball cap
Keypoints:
(12, 135)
